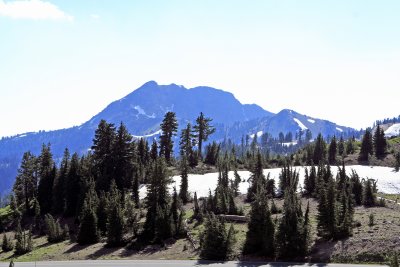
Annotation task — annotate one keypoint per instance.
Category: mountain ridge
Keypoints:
(142, 111)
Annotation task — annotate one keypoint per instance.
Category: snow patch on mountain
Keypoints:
(147, 135)
(301, 125)
(141, 111)
(339, 129)
(311, 120)
(259, 134)
(393, 130)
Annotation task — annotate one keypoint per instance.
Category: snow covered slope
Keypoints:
(388, 180)
(393, 130)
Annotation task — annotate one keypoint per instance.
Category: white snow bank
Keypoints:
(393, 130)
(388, 180)
(259, 134)
(311, 120)
(339, 129)
(301, 125)
(290, 143)
(147, 135)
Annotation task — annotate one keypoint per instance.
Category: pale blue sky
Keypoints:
(61, 62)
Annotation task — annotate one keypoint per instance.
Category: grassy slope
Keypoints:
(368, 244)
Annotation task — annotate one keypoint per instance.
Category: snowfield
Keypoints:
(301, 125)
(393, 130)
(388, 180)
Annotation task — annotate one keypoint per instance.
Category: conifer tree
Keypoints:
(115, 220)
(379, 142)
(102, 213)
(24, 243)
(186, 143)
(169, 126)
(290, 237)
(357, 188)
(60, 183)
(327, 211)
(122, 158)
(341, 149)
(319, 150)
(214, 241)
(369, 196)
(197, 214)
(72, 187)
(183, 193)
(350, 146)
(366, 146)
(135, 189)
(257, 177)
(54, 231)
(202, 130)
(332, 151)
(158, 219)
(397, 164)
(154, 150)
(103, 154)
(25, 186)
(47, 173)
(7, 244)
(88, 232)
(236, 182)
(261, 234)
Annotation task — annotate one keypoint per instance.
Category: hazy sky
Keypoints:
(62, 62)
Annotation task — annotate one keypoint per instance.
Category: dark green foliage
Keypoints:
(319, 150)
(169, 126)
(357, 188)
(397, 164)
(236, 182)
(394, 261)
(88, 232)
(257, 177)
(24, 243)
(59, 192)
(115, 220)
(154, 150)
(132, 218)
(310, 180)
(366, 146)
(336, 206)
(332, 151)
(183, 193)
(260, 236)
(102, 213)
(122, 154)
(25, 186)
(215, 244)
(72, 187)
(212, 153)
(341, 149)
(197, 213)
(327, 211)
(55, 233)
(103, 154)
(291, 237)
(135, 189)
(202, 130)
(158, 220)
(379, 142)
(47, 173)
(177, 213)
(7, 244)
(369, 194)
(371, 220)
(186, 144)
(350, 148)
